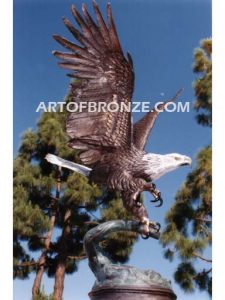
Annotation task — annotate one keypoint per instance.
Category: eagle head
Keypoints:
(156, 165)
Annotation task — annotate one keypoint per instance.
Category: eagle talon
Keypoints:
(157, 196)
(145, 236)
(155, 226)
(156, 200)
(160, 202)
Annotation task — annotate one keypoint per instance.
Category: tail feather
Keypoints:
(56, 160)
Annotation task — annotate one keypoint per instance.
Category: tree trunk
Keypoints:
(43, 257)
(59, 280)
(61, 265)
(39, 274)
(42, 260)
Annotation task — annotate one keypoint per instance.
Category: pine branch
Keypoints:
(88, 206)
(202, 258)
(77, 257)
(208, 271)
(91, 223)
(26, 264)
(204, 272)
(93, 215)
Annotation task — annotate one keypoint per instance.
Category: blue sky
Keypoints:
(161, 36)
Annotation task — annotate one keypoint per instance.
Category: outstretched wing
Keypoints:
(143, 127)
(104, 77)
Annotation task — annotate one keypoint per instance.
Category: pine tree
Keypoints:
(188, 222)
(51, 202)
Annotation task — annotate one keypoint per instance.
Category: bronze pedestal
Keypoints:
(132, 293)
(122, 282)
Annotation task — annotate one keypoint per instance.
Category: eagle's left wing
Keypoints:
(142, 128)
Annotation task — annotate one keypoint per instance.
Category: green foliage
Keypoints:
(28, 218)
(75, 194)
(21, 257)
(188, 229)
(184, 276)
(43, 296)
(203, 84)
(188, 232)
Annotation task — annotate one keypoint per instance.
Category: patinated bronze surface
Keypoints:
(115, 281)
(132, 293)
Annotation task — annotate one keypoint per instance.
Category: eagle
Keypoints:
(108, 140)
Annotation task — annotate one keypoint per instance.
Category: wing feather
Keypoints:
(112, 29)
(93, 27)
(82, 39)
(73, 47)
(101, 25)
(74, 58)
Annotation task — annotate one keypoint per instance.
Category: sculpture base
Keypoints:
(132, 293)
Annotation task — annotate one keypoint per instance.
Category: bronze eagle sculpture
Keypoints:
(108, 140)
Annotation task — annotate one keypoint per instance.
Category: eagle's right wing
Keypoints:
(104, 76)
(142, 128)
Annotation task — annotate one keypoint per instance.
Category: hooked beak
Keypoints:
(187, 162)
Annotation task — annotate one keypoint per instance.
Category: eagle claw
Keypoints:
(157, 195)
(154, 225)
(145, 236)
(158, 199)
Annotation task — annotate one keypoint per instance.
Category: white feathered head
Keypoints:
(157, 164)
